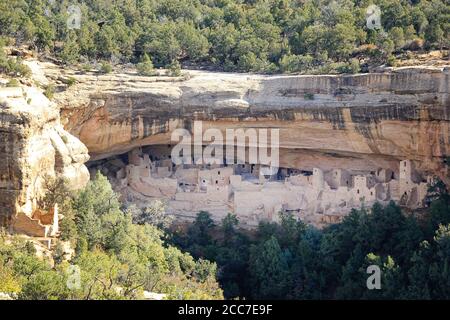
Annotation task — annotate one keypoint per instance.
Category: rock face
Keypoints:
(345, 141)
(359, 122)
(33, 146)
(356, 127)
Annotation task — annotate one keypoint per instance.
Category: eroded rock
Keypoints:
(33, 146)
(363, 121)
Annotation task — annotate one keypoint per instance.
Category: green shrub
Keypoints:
(145, 67)
(13, 67)
(391, 61)
(296, 63)
(12, 83)
(71, 81)
(349, 67)
(86, 67)
(249, 62)
(174, 69)
(20, 69)
(106, 68)
(49, 91)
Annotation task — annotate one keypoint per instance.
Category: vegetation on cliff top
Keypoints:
(233, 35)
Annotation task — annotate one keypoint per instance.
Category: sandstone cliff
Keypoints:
(352, 122)
(33, 145)
(361, 122)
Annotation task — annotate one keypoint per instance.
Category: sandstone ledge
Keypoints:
(361, 121)
(33, 145)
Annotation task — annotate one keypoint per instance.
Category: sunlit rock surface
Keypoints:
(363, 125)
(357, 122)
(33, 146)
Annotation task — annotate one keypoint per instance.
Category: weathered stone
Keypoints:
(363, 121)
(33, 145)
(254, 193)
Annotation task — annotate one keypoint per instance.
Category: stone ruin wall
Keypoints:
(318, 197)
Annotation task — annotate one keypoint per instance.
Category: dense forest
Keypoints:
(316, 36)
(122, 251)
(290, 260)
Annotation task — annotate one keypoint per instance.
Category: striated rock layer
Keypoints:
(357, 122)
(354, 123)
(33, 146)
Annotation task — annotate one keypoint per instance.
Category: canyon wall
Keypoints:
(33, 147)
(358, 122)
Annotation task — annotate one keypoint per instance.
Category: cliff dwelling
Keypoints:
(247, 150)
(381, 141)
(255, 192)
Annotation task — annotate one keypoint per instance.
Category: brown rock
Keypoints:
(362, 122)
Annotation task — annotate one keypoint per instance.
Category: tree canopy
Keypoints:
(231, 35)
(290, 260)
(115, 258)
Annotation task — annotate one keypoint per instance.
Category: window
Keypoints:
(357, 191)
(218, 172)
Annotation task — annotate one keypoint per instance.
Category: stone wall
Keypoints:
(318, 197)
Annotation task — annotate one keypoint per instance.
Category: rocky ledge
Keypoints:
(358, 123)
(33, 147)
(361, 122)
